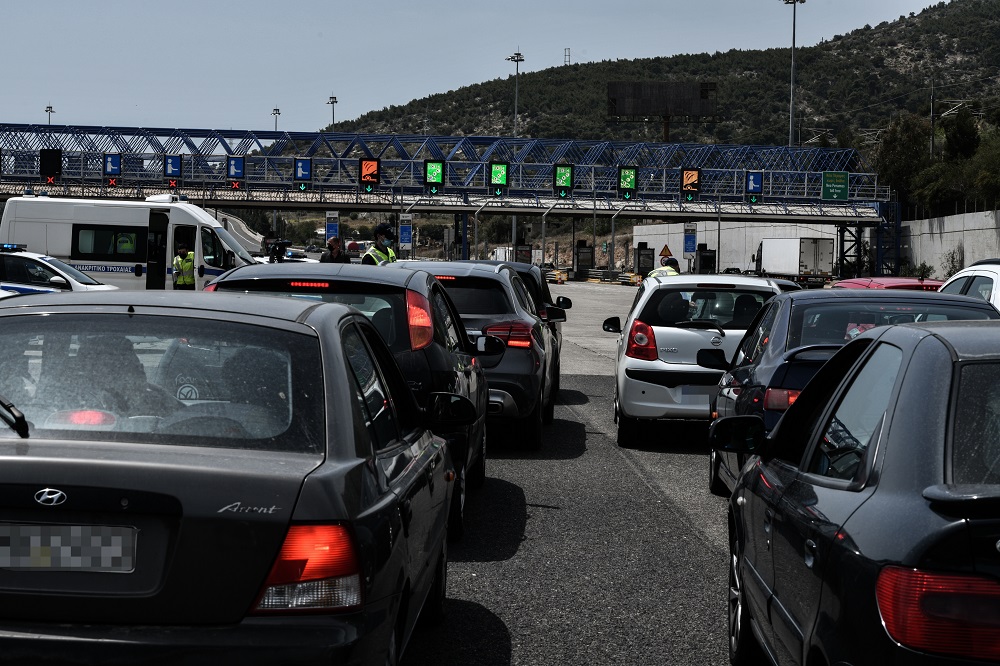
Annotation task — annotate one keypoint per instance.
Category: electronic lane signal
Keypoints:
(627, 177)
(562, 180)
(755, 187)
(112, 181)
(172, 171)
(499, 172)
(302, 173)
(690, 184)
(434, 176)
(369, 174)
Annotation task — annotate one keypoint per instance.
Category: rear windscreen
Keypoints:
(729, 308)
(976, 438)
(836, 323)
(477, 296)
(163, 380)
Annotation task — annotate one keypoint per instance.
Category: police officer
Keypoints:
(183, 268)
(382, 249)
(670, 267)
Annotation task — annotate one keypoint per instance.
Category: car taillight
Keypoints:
(419, 320)
(780, 399)
(641, 342)
(210, 287)
(317, 569)
(514, 333)
(949, 614)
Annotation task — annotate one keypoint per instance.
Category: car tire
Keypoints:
(716, 486)
(532, 426)
(743, 647)
(628, 431)
(456, 514)
(477, 473)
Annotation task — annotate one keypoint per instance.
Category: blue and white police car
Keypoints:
(31, 273)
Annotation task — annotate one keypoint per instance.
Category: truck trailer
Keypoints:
(808, 261)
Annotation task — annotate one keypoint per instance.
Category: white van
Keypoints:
(128, 244)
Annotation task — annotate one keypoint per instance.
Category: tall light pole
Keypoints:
(276, 112)
(333, 110)
(49, 110)
(791, 101)
(517, 59)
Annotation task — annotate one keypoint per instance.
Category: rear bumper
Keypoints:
(514, 387)
(668, 394)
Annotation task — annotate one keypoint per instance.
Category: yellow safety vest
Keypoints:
(663, 271)
(379, 257)
(184, 269)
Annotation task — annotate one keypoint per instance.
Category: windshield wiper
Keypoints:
(706, 324)
(20, 425)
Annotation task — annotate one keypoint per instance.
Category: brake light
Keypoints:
(514, 333)
(317, 569)
(81, 417)
(210, 287)
(641, 342)
(308, 284)
(780, 399)
(445, 277)
(949, 614)
(419, 320)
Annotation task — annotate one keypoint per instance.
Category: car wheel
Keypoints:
(456, 515)
(743, 647)
(533, 426)
(715, 484)
(477, 474)
(628, 431)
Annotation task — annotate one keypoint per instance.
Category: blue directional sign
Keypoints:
(172, 167)
(332, 229)
(112, 164)
(755, 182)
(690, 243)
(303, 168)
(235, 168)
(405, 234)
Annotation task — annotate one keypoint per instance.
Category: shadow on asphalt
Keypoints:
(495, 518)
(690, 437)
(470, 635)
(562, 440)
(571, 397)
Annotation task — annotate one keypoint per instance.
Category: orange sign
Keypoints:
(691, 180)
(665, 252)
(370, 171)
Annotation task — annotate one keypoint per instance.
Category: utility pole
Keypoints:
(517, 59)
(791, 100)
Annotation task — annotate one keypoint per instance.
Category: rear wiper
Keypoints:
(706, 324)
(20, 425)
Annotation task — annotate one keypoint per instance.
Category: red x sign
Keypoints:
(172, 184)
(112, 182)
(50, 180)
(234, 184)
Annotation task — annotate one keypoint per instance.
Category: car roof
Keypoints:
(518, 266)
(460, 268)
(971, 340)
(398, 275)
(887, 282)
(712, 280)
(817, 295)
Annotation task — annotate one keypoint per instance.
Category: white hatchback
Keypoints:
(980, 280)
(671, 319)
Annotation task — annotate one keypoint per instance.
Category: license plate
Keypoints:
(96, 548)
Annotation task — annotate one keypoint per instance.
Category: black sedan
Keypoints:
(864, 530)
(214, 478)
(794, 334)
(417, 319)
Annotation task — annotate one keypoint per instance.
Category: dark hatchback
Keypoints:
(794, 334)
(493, 300)
(417, 319)
(864, 529)
(214, 478)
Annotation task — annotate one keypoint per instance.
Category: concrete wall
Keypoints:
(973, 236)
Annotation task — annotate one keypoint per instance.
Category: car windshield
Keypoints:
(82, 278)
(163, 380)
(477, 296)
(976, 437)
(836, 323)
(728, 308)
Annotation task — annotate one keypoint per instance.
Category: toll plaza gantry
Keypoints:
(470, 176)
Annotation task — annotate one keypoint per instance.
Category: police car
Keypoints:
(26, 272)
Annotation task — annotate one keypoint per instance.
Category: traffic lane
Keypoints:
(587, 348)
(575, 554)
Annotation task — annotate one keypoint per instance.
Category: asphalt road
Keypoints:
(585, 553)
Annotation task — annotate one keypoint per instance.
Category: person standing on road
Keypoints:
(382, 249)
(334, 253)
(670, 267)
(183, 268)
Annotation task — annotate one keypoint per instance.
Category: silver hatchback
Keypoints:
(671, 319)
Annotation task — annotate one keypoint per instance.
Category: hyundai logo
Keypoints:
(50, 497)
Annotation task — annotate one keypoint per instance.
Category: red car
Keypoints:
(917, 284)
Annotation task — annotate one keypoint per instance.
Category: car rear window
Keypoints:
(164, 380)
(836, 323)
(976, 437)
(477, 296)
(730, 308)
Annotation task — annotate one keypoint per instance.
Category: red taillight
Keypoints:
(445, 277)
(641, 342)
(317, 569)
(780, 399)
(210, 287)
(514, 333)
(947, 614)
(81, 417)
(308, 284)
(419, 320)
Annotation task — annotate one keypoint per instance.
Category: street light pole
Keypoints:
(276, 112)
(333, 110)
(517, 59)
(791, 100)
(49, 110)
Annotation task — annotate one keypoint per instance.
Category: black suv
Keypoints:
(418, 322)
(494, 300)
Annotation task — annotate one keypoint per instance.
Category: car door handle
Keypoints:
(810, 553)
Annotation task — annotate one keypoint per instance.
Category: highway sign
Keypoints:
(499, 172)
(369, 176)
(172, 169)
(835, 185)
(405, 231)
(665, 252)
(235, 168)
(627, 180)
(303, 169)
(690, 239)
(434, 176)
(562, 180)
(112, 164)
(755, 182)
(332, 224)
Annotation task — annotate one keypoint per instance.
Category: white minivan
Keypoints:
(128, 244)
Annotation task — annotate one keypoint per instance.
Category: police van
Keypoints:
(127, 244)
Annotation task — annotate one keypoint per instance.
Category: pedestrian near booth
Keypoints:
(382, 249)
(334, 252)
(183, 268)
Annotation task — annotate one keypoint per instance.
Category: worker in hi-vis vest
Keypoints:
(183, 268)
(382, 249)
(670, 267)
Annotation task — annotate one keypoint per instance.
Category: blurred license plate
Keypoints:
(99, 548)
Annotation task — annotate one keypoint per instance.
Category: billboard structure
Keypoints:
(663, 101)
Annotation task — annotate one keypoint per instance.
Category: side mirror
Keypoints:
(738, 434)
(201, 270)
(229, 259)
(59, 282)
(490, 345)
(612, 325)
(564, 303)
(713, 359)
(448, 410)
(555, 314)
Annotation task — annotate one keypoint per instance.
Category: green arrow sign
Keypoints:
(562, 193)
(499, 192)
(627, 195)
(368, 188)
(303, 187)
(689, 197)
(835, 185)
(753, 198)
(434, 190)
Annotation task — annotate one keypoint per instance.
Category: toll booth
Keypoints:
(583, 257)
(704, 260)
(643, 258)
(522, 253)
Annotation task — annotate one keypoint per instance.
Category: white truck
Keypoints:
(808, 261)
(128, 244)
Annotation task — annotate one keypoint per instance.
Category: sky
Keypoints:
(211, 64)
